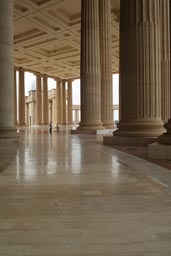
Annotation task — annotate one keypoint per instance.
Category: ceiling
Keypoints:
(47, 36)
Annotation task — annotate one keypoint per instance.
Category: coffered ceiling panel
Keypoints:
(47, 36)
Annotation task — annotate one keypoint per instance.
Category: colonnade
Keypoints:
(62, 107)
(144, 72)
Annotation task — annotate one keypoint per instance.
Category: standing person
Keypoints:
(50, 127)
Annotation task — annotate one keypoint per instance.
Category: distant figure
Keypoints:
(50, 127)
(57, 127)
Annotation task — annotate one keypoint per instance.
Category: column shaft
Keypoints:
(38, 100)
(58, 101)
(165, 138)
(90, 66)
(70, 101)
(21, 98)
(7, 126)
(45, 101)
(63, 102)
(140, 69)
(165, 60)
(106, 64)
(15, 97)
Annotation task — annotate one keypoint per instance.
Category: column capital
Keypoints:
(57, 79)
(21, 69)
(37, 74)
(70, 80)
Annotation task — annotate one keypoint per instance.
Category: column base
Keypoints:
(140, 128)
(159, 151)
(9, 135)
(91, 126)
(109, 126)
(128, 141)
(88, 128)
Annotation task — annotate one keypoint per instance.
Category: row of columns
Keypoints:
(42, 118)
(144, 68)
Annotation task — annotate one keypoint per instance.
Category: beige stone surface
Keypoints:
(15, 98)
(66, 195)
(106, 64)
(45, 101)
(47, 36)
(165, 60)
(69, 110)
(38, 100)
(63, 102)
(21, 98)
(90, 67)
(140, 69)
(7, 92)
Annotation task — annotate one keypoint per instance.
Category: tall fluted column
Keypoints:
(165, 138)
(90, 67)
(165, 60)
(7, 126)
(140, 69)
(15, 97)
(70, 101)
(58, 108)
(106, 64)
(45, 101)
(59, 102)
(38, 100)
(63, 102)
(21, 98)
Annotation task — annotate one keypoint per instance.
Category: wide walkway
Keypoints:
(68, 195)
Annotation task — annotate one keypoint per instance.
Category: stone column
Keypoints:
(58, 98)
(60, 101)
(77, 116)
(63, 98)
(165, 138)
(38, 100)
(140, 72)
(45, 101)
(70, 101)
(90, 67)
(106, 64)
(7, 126)
(165, 60)
(15, 97)
(21, 98)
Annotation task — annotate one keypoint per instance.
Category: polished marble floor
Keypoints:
(68, 195)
